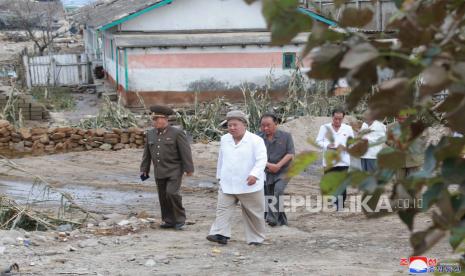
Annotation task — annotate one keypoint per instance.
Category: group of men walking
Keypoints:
(251, 168)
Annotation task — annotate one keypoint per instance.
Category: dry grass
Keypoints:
(27, 216)
(111, 115)
(304, 98)
(11, 112)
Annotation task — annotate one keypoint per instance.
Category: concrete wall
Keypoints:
(199, 15)
(173, 75)
(93, 46)
(210, 69)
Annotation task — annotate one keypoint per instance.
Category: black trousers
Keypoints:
(344, 194)
(274, 188)
(172, 211)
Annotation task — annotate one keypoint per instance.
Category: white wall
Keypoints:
(179, 80)
(199, 15)
(182, 79)
(92, 45)
(110, 68)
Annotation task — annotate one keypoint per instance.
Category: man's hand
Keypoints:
(144, 174)
(273, 168)
(189, 173)
(331, 146)
(251, 180)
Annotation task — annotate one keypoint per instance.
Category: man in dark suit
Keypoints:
(168, 149)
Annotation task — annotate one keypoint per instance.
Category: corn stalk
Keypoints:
(111, 115)
(13, 214)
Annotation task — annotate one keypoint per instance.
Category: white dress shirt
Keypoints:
(340, 138)
(237, 162)
(376, 137)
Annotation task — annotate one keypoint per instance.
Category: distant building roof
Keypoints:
(105, 14)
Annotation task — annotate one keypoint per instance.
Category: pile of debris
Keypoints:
(29, 216)
(18, 106)
(52, 140)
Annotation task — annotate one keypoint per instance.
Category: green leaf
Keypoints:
(450, 103)
(449, 147)
(284, 20)
(447, 216)
(457, 235)
(325, 62)
(407, 216)
(359, 55)
(434, 79)
(361, 80)
(369, 185)
(393, 96)
(321, 34)
(399, 3)
(373, 202)
(358, 148)
(410, 34)
(331, 183)
(356, 178)
(432, 14)
(353, 17)
(390, 158)
(453, 170)
(422, 241)
(430, 161)
(384, 176)
(456, 118)
(431, 195)
(301, 162)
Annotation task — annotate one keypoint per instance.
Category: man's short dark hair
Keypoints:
(338, 110)
(270, 115)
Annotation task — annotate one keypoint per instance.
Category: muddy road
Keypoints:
(107, 183)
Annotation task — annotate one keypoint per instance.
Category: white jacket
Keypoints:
(376, 138)
(340, 138)
(237, 162)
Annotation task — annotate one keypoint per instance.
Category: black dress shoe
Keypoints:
(255, 243)
(167, 225)
(179, 226)
(272, 223)
(218, 238)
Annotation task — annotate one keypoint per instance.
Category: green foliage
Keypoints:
(55, 98)
(428, 57)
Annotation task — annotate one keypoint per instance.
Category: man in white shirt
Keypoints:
(331, 137)
(241, 172)
(375, 137)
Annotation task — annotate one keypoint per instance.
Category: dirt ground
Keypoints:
(107, 182)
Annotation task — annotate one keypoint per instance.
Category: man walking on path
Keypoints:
(375, 137)
(332, 136)
(168, 149)
(241, 173)
(280, 149)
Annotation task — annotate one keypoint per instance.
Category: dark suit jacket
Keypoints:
(170, 153)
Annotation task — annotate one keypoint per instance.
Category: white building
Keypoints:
(166, 50)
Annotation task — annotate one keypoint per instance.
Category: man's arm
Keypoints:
(185, 152)
(146, 157)
(321, 139)
(290, 152)
(261, 158)
(219, 163)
